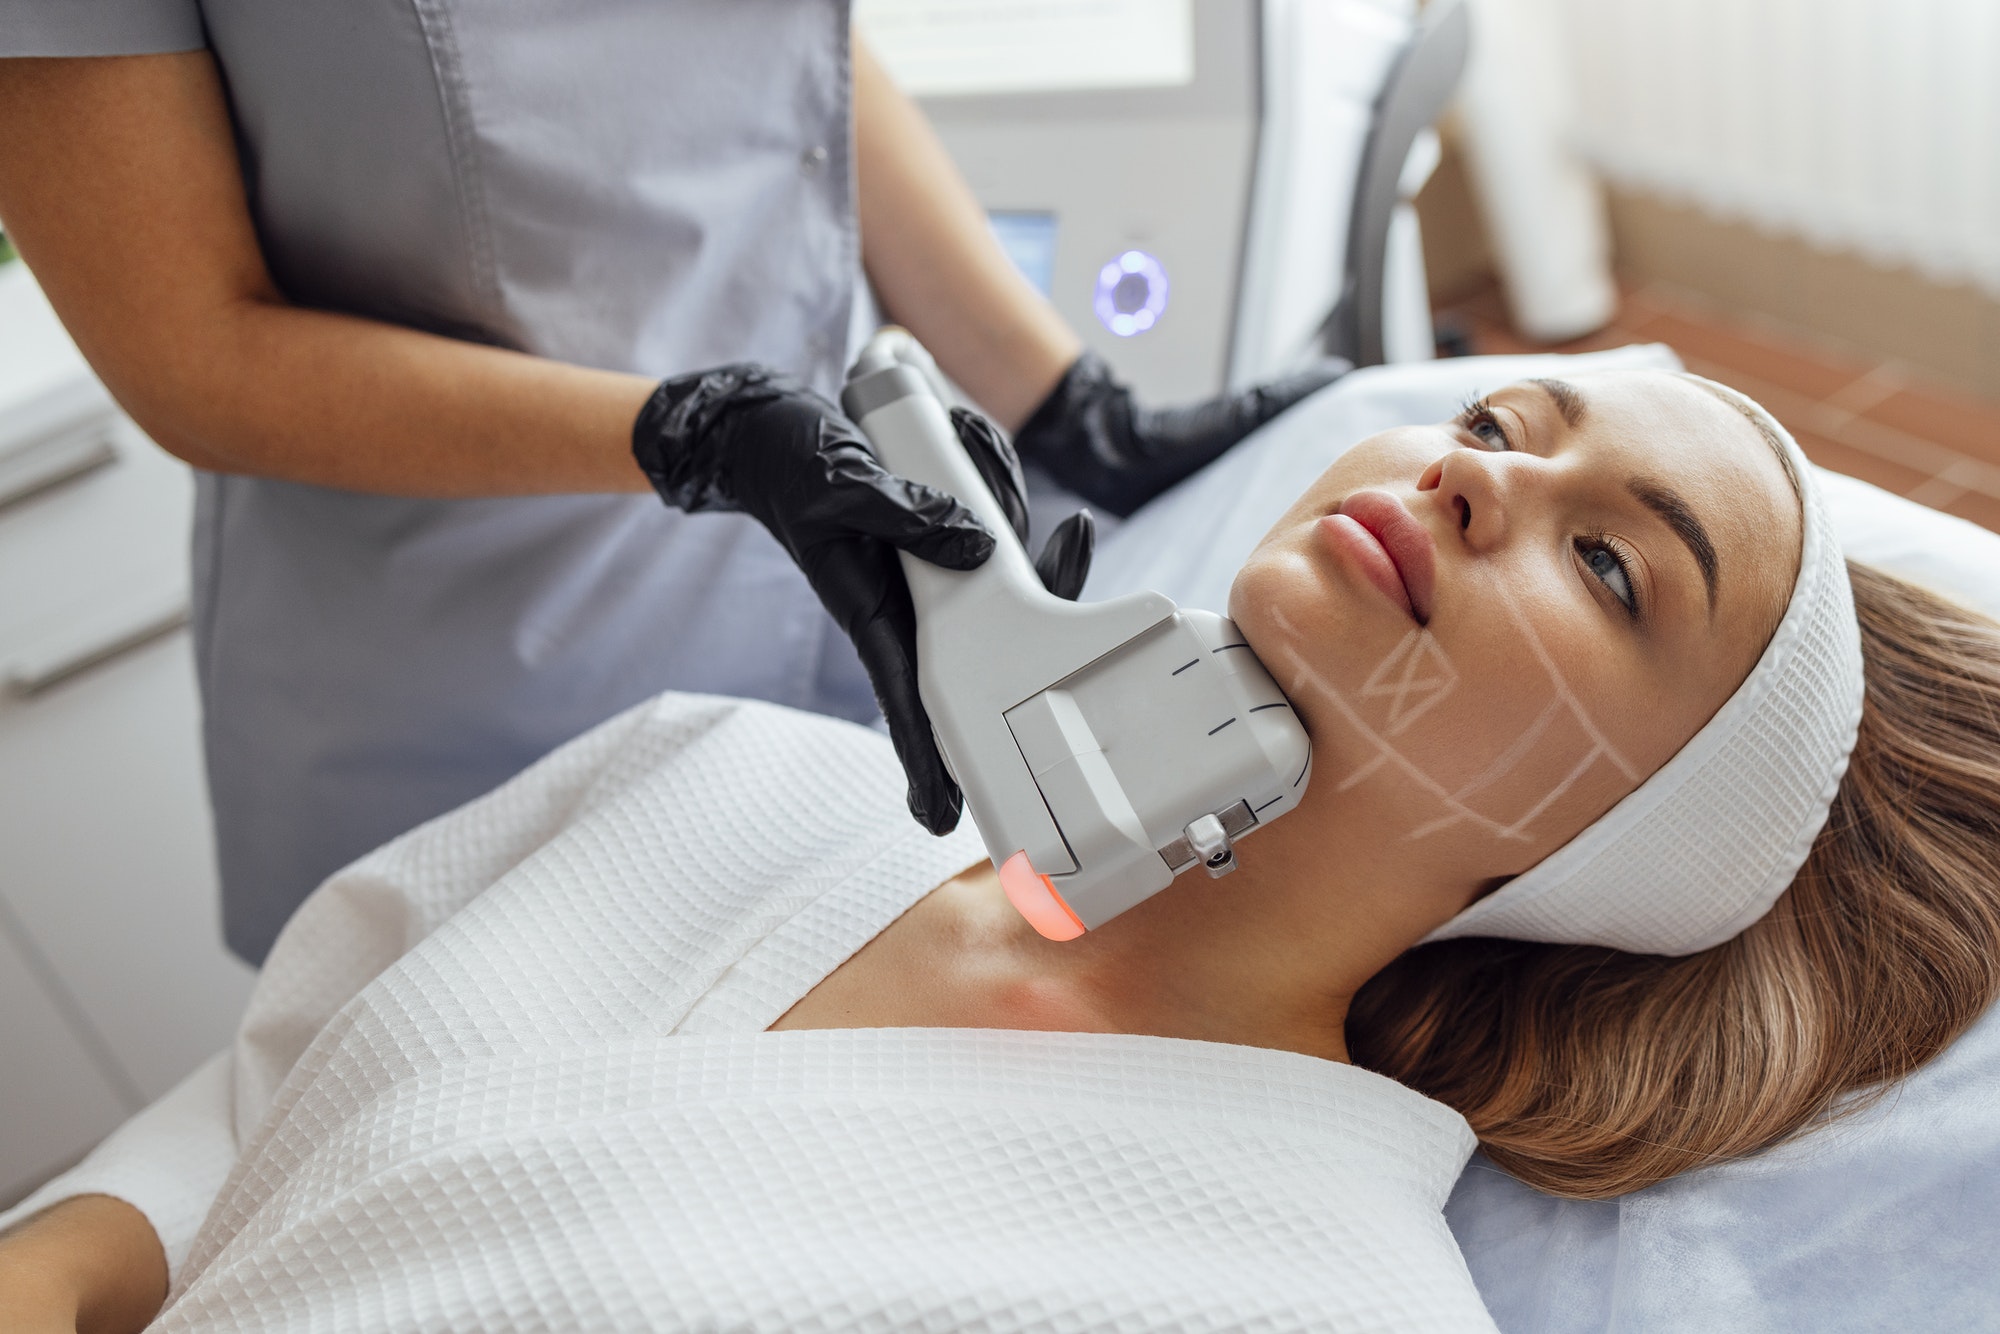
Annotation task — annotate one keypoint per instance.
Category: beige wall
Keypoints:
(1947, 333)
(1951, 333)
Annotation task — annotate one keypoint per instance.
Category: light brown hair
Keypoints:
(1588, 1072)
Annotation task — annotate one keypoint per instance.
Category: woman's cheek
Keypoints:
(1476, 730)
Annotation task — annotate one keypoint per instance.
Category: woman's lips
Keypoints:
(1390, 546)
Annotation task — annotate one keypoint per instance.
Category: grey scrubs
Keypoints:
(642, 185)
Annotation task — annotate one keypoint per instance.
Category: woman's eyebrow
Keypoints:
(1567, 400)
(1664, 501)
(1658, 497)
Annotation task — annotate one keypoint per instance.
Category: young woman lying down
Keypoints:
(1642, 830)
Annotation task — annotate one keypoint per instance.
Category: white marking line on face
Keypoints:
(1354, 779)
(1419, 648)
(1515, 753)
(1603, 742)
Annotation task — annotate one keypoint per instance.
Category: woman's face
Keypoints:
(1497, 627)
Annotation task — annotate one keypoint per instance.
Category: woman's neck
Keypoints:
(1269, 955)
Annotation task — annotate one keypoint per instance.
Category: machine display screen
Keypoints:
(1030, 241)
(946, 48)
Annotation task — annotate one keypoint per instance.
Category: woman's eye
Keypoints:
(1604, 561)
(1482, 425)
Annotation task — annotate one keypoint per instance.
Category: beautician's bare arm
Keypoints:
(120, 184)
(92, 1264)
(934, 262)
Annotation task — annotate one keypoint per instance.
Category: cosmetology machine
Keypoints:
(1211, 192)
(1103, 747)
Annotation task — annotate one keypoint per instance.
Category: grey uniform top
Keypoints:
(641, 185)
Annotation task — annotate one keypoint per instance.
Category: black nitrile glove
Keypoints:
(1096, 441)
(746, 438)
(1065, 559)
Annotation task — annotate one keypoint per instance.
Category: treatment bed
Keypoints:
(508, 964)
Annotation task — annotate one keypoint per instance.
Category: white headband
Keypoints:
(1704, 847)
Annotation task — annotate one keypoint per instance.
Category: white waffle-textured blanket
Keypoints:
(509, 1072)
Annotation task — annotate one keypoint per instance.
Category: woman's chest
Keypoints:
(928, 969)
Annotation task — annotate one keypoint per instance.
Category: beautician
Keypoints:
(400, 280)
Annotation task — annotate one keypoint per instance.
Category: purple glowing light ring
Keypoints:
(1126, 323)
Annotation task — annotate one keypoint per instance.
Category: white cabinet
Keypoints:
(55, 1097)
(109, 868)
(113, 978)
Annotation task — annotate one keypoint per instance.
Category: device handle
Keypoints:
(896, 389)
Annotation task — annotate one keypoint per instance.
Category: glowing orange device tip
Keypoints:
(1035, 898)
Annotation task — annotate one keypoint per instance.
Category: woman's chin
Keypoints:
(1283, 607)
(1259, 599)
(1293, 602)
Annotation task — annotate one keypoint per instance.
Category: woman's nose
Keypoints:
(1468, 487)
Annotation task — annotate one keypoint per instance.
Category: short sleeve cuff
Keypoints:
(99, 27)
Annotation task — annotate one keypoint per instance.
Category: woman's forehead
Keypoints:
(1673, 432)
(1654, 417)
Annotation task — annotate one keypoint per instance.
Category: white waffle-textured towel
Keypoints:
(1706, 844)
(509, 1072)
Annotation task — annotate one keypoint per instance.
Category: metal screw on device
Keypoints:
(1210, 842)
